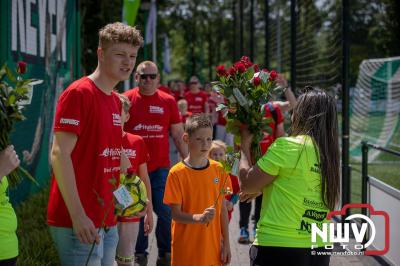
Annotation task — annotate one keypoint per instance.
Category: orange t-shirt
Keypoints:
(196, 190)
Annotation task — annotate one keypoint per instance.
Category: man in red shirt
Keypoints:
(153, 114)
(86, 153)
(196, 98)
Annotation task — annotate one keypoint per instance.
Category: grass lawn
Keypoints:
(35, 244)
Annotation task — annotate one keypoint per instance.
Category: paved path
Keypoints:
(240, 253)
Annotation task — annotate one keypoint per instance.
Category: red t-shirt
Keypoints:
(84, 110)
(151, 118)
(268, 139)
(196, 101)
(165, 89)
(136, 151)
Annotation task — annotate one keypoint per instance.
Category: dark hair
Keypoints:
(197, 121)
(315, 115)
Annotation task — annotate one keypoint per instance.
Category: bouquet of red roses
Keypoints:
(13, 91)
(246, 90)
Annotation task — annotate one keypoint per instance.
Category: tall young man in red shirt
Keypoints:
(153, 114)
(86, 153)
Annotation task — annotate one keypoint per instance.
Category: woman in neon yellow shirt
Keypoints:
(299, 178)
(8, 220)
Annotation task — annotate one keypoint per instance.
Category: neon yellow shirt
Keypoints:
(8, 225)
(293, 200)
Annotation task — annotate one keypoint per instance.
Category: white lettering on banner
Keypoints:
(116, 119)
(156, 109)
(24, 35)
(154, 128)
(69, 121)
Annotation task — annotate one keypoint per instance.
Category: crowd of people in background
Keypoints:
(172, 137)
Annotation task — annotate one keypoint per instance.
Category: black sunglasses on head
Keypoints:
(145, 76)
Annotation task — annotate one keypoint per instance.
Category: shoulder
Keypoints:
(292, 143)
(215, 164)
(165, 96)
(178, 169)
(131, 93)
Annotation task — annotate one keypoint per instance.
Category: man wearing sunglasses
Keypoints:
(153, 114)
(196, 98)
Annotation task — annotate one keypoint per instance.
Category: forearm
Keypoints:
(291, 98)
(225, 224)
(65, 176)
(181, 146)
(146, 180)
(186, 218)
(244, 168)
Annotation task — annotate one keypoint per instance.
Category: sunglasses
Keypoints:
(145, 76)
(193, 82)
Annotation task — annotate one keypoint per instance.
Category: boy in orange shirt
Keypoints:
(199, 217)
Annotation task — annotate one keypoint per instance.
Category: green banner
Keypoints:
(46, 35)
(129, 11)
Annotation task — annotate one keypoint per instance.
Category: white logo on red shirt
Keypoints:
(130, 153)
(152, 128)
(198, 99)
(156, 109)
(110, 152)
(69, 121)
(116, 119)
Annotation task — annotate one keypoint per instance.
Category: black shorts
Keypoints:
(260, 256)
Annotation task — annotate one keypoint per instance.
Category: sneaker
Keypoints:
(244, 236)
(140, 260)
(164, 261)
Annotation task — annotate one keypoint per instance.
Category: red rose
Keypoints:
(272, 75)
(256, 81)
(245, 59)
(256, 68)
(248, 64)
(240, 66)
(232, 71)
(221, 70)
(21, 69)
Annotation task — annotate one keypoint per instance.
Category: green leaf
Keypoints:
(11, 99)
(10, 75)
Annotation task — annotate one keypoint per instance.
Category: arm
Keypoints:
(177, 133)
(290, 97)
(144, 176)
(61, 161)
(252, 178)
(226, 250)
(280, 131)
(8, 161)
(187, 218)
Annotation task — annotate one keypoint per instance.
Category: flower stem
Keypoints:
(98, 231)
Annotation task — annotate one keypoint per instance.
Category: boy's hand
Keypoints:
(229, 205)
(225, 253)
(148, 220)
(206, 216)
(85, 230)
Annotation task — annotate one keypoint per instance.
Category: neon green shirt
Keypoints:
(8, 225)
(293, 200)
